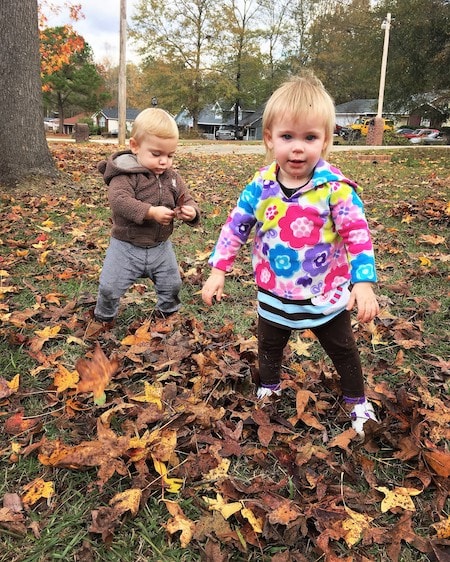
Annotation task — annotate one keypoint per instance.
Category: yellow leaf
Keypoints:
(443, 528)
(43, 257)
(64, 379)
(219, 472)
(22, 253)
(255, 522)
(47, 225)
(14, 383)
(301, 347)
(48, 332)
(226, 509)
(355, 526)
(36, 490)
(152, 394)
(426, 262)
(138, 447)
(172, 485)
(127, 501)
(398, 497)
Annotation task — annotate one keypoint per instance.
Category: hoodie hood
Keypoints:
(119, 163)
(324, 172)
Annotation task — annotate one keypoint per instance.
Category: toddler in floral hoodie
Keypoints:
(312, 256)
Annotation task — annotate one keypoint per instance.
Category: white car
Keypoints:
(431, 138)
(226, 132)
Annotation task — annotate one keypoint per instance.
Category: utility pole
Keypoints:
(376, 132)
(122, 101)
(386, 25)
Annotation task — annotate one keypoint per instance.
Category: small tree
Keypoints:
(69, 76)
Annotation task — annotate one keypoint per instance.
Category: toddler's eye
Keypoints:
(286, 136)
(310, 137)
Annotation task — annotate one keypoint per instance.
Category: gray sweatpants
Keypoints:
(125, 263)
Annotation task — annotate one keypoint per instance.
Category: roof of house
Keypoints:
(75, 119)
(113, 113)
(359, 106)
(253, 119)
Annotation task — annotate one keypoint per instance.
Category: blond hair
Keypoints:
(154, 121)
(300, 96)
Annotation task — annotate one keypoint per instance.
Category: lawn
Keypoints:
(146, 442)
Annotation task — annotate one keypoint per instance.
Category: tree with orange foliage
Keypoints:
(69, 76)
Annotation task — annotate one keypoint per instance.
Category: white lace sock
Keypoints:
(267, 390)
(360, 414)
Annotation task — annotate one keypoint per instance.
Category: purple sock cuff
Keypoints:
(354, 399)
(275, 386)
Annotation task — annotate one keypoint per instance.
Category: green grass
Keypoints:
(406, 201)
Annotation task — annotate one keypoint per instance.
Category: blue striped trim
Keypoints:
(296, 315)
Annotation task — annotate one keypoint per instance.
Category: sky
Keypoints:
(100, 27)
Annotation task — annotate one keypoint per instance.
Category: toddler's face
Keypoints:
(297, 147)
(154, 153)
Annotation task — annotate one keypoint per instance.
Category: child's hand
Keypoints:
(185, 213)
(363, 296)
(213, 286)
(162, 215)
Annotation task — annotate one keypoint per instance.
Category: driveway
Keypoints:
(241, 147)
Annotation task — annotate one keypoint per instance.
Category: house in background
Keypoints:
(210, 118)
(51, 125)
(107, 120)
(432, 110)
(348, 112)
(252, 125)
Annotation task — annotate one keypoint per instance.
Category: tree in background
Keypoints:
(174, 38)
(238, 50)
(69, 77)
(23, 145)
(419, 49)
(346, 45)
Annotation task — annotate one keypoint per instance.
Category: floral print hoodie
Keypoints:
(304, 245)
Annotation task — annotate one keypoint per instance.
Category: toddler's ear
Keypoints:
(134, 145)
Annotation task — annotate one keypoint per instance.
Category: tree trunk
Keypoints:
(23, 146)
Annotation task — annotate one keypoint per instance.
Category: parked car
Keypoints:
(432, 138)
(402, 131)
(51, 125)
(420, 133)
(227, 132)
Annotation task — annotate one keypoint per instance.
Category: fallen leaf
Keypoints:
(255, 522)
(398, 497)
(219, 504)
(127, 501)
(354, 526)
(95, 374)
(36, 490)
(433, 239)
(172, 485)
(179, 522)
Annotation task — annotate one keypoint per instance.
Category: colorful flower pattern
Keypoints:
(305, 245)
